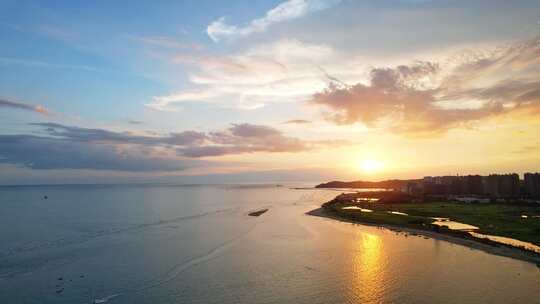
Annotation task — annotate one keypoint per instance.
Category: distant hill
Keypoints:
(387, 184)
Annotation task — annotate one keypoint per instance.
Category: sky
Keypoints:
(264, 91)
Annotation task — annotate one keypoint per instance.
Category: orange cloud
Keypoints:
(424, 98)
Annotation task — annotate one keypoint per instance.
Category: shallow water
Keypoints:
(508, 241)
(197, 244)
(397, 213)
(357, 208)
(366, 200)
(453, 225)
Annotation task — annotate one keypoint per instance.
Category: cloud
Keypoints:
(79, 134)
(54, 32)
(247, 138)
(47, 65)
(297, 121)
(51, 153)
(168, 42)
(429, 98)
(166, 103)
(527, 149)
(23, 106)
(344, 41)
(285, 11)
(249, 130)
(57, 146)
(57, 33)
(284, 71)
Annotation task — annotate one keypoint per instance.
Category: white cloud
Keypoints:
(168, 42)
(161, 103)
(285, 71)
(287, 10)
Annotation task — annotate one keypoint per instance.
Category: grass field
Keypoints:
(495, 219)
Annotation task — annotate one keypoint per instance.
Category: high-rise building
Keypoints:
(494, 185)
(532, 185)
(491, 187)
(509, 185)
(502, 185)
(475, 185)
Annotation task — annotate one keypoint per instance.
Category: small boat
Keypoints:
(258, 212)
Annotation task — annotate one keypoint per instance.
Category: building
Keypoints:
(433, 185)
(509, 185)
(501, 185)
(412, 188)
(454, 185)
(493, 186)
(532, 185)
(474, 185)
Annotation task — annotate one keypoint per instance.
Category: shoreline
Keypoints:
(474, 243)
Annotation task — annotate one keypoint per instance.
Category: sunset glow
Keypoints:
(287, 89)
(269, 151)
(370, 166)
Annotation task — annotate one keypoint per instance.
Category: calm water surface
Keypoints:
(196, 244)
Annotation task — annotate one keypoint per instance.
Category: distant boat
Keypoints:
(258, 212)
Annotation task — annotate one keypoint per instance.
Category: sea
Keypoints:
(165, 243)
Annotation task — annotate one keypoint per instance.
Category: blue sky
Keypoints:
(155, 69)
(82, 58)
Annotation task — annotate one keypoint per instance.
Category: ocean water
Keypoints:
(197, 244)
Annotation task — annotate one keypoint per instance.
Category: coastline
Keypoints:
(474, 243)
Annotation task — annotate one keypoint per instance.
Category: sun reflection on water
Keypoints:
(368, 272)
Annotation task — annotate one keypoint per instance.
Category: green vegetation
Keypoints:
(495, 219)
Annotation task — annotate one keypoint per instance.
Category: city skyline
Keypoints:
(255, 91)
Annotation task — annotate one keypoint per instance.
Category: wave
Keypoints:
(176, 270)
(105, 299)
(66, 242)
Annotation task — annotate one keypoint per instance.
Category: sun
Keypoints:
(370, 165)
